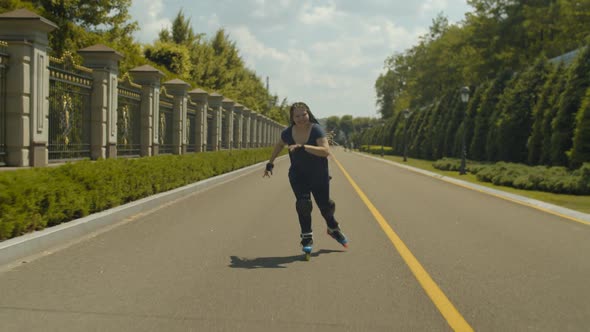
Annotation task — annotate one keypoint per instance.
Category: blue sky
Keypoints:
(327, 53)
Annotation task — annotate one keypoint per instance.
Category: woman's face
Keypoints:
(300, 116)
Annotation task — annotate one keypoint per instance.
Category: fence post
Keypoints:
(200, 97)
(239, 126)
(149, 79)
(265, 128)
(178, 89)
(259, 130)
(228, 108)
(246, 128)
(253, 130)
(104, 62)
(27, 90)
(214, 100)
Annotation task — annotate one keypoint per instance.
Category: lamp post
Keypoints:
(406, 113)
(464, 99)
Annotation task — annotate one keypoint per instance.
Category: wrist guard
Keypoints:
(269, 167)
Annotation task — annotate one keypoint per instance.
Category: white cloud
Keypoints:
(150, 17)
(326, 52)
(433, 6)
(270, 9)
(250, 46)
(312, 15)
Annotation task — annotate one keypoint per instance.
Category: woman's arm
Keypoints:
(321, 150)
(275, 152)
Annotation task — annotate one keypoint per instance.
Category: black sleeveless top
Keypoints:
(302, 161)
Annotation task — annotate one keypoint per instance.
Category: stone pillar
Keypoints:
(149, 79)
(104, 62)
(239, 129)
(273, 129)
(214, 100)
(262, 130)
(253, 130)
(265, 126)
(27, 90)
(179, 90)
(228, 108)
(200, 97)
(246, 115)
(259, 126)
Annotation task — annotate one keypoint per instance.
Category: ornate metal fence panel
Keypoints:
(128, 118)
(3, 61)
(210, 130)
(69, 109)
(165, 122)
(191, 126)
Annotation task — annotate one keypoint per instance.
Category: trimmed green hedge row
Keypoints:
(33, 199)
(376, 149)
(557, 180)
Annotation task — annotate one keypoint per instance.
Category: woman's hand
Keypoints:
(294, 147)
(268, 170)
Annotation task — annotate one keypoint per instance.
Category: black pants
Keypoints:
(304, 186)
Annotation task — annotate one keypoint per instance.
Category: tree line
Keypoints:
(212, 64)
(523, 108)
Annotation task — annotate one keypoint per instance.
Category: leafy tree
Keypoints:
(418, 133)
(551, 111)
(333, 123)
(347, 126)
(387, 91)
(569, 103)
(514, 123)
(82, 23)
(535, 141)
(580, 152)
(489, 100)
(182, 32)
(173, 57)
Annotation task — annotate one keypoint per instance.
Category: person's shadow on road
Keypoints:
(273, 262)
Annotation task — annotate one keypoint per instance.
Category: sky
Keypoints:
(326, 53)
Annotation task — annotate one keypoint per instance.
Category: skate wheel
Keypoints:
(308, 256)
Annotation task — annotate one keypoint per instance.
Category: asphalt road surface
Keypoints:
(424, 255)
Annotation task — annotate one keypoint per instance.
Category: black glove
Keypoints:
(269, 167)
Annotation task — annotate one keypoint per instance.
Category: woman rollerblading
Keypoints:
(308, 173)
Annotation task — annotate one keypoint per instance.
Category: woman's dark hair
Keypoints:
(299, 105)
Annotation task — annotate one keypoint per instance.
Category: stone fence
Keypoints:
(54, 110)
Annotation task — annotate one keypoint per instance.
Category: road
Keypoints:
(424, 255)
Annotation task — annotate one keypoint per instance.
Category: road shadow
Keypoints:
(273, 262)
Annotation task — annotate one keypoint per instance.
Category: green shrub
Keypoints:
(33, 199)
(542, 178)
(376, 149)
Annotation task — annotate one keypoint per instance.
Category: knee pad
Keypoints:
(330, 208)
(304, 207)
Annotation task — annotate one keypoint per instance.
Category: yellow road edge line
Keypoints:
(444, 179)
(440, 300)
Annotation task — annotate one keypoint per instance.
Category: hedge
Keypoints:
(36, 198)
(557, 180)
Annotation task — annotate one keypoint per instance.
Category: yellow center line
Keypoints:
(440, 300)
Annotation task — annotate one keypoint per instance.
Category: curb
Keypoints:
(34, 243)
(573, 215)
